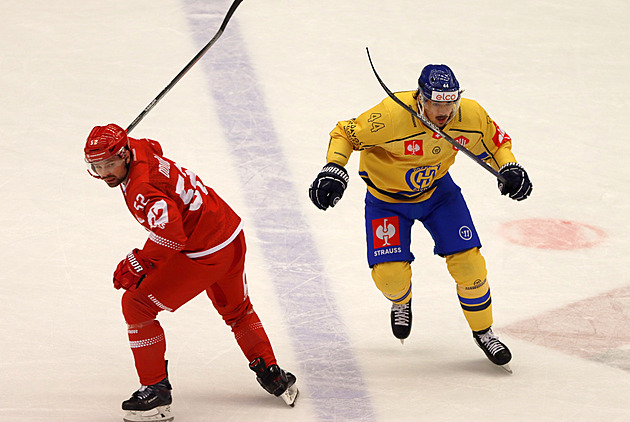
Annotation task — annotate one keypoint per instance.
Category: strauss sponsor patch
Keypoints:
(385, 232)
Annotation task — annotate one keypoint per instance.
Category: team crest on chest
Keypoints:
(421, 178)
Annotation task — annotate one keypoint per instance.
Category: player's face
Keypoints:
(113, 170)
(440, 112)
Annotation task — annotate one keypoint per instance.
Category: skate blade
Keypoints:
(159, 414)
(290, 395)
(506, 368)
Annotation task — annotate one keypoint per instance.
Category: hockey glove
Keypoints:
(517, 184)
(132, 270)
(328, 187)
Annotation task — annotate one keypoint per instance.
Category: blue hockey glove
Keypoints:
(327, 189)
(517, 186)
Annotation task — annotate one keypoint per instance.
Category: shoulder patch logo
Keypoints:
(500, 136)
(158, 215)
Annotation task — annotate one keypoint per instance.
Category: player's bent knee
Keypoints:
(137, 308)
(393, 279)
(467, 268)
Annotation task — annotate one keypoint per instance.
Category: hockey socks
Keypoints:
(252, 338)
(148, 346)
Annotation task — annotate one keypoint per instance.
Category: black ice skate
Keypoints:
(150, 403)
(275, 381)
(401, 320)
(495, 350)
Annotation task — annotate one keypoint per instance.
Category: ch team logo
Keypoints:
(385, 232)
(421, 178)
(413, 147)
(465, 233)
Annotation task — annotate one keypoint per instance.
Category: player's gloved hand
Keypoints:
(517, 185)
(327, 188)
(132, 270)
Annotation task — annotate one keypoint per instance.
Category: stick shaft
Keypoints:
(185, 70)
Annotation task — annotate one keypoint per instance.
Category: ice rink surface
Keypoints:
(252, 119)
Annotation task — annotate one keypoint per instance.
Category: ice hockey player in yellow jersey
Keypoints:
(405, 167)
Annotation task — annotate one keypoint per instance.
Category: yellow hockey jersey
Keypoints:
(401, 159)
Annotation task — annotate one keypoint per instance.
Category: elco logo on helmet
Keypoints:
(444, 96)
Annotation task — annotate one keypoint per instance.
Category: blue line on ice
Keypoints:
(329, 374)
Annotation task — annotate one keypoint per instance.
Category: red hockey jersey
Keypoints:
(173, 204)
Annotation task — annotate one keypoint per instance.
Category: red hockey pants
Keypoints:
(222, 276)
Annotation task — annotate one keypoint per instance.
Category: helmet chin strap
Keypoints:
(94, 174)
(420, 106)
(127, 165)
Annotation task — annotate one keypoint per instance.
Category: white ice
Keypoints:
(553, 74)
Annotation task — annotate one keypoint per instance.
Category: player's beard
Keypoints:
(113, 181)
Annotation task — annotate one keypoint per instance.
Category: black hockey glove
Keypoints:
(517, 184)
(327, 189)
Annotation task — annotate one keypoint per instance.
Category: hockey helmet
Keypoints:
(437, 82)
(104, 142)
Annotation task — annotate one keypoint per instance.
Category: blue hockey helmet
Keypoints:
(437, 82)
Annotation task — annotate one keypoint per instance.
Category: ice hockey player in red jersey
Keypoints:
(195, 244)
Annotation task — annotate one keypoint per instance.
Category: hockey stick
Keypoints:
(185, 70)
(434, 128)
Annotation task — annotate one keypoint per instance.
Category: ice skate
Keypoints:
(495, 350)
(401, 320)
(150, 403)
(275, 380)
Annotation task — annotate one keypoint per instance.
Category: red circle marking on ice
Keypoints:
(544, 233)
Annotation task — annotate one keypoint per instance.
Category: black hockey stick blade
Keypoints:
(185, 70)
(433, 127)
